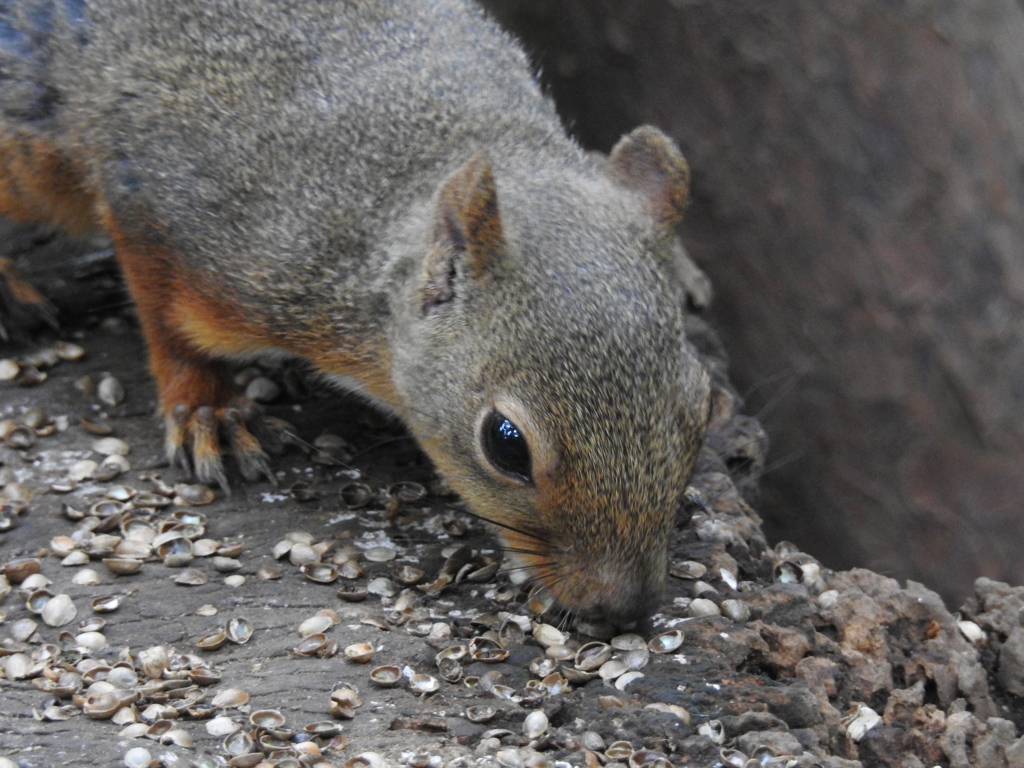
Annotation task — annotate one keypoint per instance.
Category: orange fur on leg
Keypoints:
(196, 390)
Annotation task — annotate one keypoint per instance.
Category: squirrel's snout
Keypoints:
(593, 584)
(620, 594)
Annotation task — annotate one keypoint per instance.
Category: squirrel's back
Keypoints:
(319, 119)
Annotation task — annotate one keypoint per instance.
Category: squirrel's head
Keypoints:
(541, 353)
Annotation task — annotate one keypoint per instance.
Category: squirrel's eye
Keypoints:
(505, 447)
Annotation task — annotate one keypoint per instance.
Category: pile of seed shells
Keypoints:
(760, 656)
(566, 661)
(155, 693)
(128, 527)
(324, 562)
(152, 694)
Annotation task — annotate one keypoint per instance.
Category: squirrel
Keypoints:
(381, 188)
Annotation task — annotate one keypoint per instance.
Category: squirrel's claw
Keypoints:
(245, 447)
(206, 457)
(193, 442)
(175, 434)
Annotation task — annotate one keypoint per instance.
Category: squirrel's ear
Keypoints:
(647, 161)
(467, 230)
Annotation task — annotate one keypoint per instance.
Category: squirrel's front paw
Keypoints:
(194, 439)
(21, 305)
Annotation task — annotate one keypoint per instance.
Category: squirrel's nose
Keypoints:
(622, 594)
(639, 605)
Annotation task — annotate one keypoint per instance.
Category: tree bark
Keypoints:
(859, 204)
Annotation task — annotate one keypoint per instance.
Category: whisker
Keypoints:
(294, 437)
(535, 566)
(781, 394)
(703, 503)
(782, 462)
(506, 526)
(563, 621)
(520, 610)
(518, 551)
(380, 444)
(766, 381)
(739, 446)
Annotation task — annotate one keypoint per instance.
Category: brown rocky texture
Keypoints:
(858, 203)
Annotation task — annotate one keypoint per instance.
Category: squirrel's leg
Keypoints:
(38, 183)
(42, 183)
(21, 305)
(186, 332)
